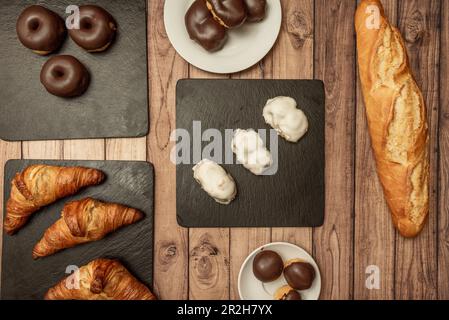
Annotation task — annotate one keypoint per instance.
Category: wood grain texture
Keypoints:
(84, 149)
(293, 58)
(209, 264)
(416, 259)
(171, 241)
(208, 248)
(334, 64)
(43, 150)
(443, 215)
(126, 149)
(373, 225)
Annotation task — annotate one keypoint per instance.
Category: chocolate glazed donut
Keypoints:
(97, 29)
(65, 76)
(203, 28)
(40, 29)
(255, 10)
(230, 13)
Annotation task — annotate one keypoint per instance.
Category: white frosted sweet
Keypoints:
(215, 181)
(250, 151)
(282, 114)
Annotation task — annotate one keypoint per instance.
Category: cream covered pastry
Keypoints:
(250, 151)
(215, 181)
(283, 115)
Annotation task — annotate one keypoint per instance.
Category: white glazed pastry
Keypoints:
(250, 151)
(215, 181)
(289, 122)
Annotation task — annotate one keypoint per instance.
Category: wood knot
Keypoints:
(167, 253)
(205, 263)
(415, 28)
(204, 249)
(299, 28)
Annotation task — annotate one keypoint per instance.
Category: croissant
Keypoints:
(84, 221)
(101, 279)
(40, 185)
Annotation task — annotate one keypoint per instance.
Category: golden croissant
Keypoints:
(40, 185)
(101, 279)
(84, 221)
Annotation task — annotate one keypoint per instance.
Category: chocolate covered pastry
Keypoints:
(97, 29)
(299, 274)
(65, 76)
(229, 13)
(255, 10)
(267, 266)
(40, 29)
(203, 28)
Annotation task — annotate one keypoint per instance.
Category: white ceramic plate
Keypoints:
(245, 47)
(252, 289)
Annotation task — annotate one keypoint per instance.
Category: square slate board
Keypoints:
(114, 106)
(128, 183)
(294, 196)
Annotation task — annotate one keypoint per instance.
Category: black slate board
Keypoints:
(294, 196)
(128, 183)
(116, 103)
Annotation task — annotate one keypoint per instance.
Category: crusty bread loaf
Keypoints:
(396, 118)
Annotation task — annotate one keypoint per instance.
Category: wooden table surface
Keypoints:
(316, 41)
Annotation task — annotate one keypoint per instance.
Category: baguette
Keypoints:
(396, 116)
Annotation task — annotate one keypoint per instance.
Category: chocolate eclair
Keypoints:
(203, 28)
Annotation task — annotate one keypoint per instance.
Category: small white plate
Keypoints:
(252, 289)
(245, 47)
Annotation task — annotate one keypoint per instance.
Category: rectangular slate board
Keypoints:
(294, 196)
(128, 183)
(114, 106)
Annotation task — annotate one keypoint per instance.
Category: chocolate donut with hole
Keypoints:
(65, 76)
(97, 29)
(203, 28)
(229, 13)
(40, 29)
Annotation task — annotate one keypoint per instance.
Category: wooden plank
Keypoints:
(8, 150)
(416, 259)
(374, 235)
(126, 149)
(334, 63)
(209, 264)
(293, 59)
(209, 248)
(171, 241)
(244, 240)
(50, 150)
(443, 222)
(84, 149)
